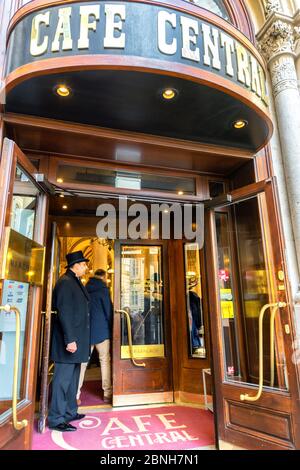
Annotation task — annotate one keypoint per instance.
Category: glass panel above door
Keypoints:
(125, 179)
(142, 297)
(245, 287)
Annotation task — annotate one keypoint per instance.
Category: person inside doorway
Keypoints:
(196, 314)
(101, 316)
(70, 342)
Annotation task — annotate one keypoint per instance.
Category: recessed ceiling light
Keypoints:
(180, 193)
(169, 93)
(65, 207)
(240, 124)
(63, 90)
(61, 195)
(59, 180)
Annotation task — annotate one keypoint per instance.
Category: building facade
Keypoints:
(187, 103)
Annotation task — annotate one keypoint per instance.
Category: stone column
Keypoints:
(277, 42)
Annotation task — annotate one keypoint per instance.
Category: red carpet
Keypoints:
(160, 428)
(91, 393)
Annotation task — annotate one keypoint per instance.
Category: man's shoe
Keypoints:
(63, 427)
(76, 417)
(107, 400)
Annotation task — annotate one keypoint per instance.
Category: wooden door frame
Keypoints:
(11, 156)
(182, 360)
(164, 396)
(284, 402)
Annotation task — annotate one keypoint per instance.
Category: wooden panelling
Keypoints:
(36, 135)
(252, 418)
(263, 164)
(143, 380)
(186, 397)
(191, 378)
(187, 370)
(243, 176)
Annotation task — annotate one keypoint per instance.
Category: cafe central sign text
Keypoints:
(135, 30)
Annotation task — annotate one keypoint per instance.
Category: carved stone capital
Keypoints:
(277, 42)
(279, 38)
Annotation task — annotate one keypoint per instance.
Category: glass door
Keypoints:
(46, 368)
(22, 212)
(255, 379)
(141, 368)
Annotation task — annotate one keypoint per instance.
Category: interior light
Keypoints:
(65, 207)
(63, 90)
(59, 180)
(61, 195)
(240, 124)
(180, 193)
(169, 93)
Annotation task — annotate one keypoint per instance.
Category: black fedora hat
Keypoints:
(75, 257)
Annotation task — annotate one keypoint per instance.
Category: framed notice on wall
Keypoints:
(15, 294)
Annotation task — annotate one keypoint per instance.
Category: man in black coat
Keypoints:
(70, 342)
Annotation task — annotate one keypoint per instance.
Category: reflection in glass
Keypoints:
(126, 179)
(239, 231)
(142, 296)
(23, 205)
(194, 300)
(227, 300)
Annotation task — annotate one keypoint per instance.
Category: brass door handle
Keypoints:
(124, 312)
(274, 307)
(272, 345)
(18, 425)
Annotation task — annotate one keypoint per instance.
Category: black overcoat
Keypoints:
(72, 322)
(101, 310)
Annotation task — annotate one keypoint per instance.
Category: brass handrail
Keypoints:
(272, 346)
(130, 338)
(274, 306)
(18, 425)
